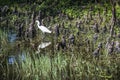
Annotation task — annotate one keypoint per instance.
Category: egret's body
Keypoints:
(42, 28)
(43, 45)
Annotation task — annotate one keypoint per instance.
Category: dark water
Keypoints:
(20, 55)
(12, 37)
(12, 59)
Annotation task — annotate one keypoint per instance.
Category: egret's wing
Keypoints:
(44, 29)
(43, 45)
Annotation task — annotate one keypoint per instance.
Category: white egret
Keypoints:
(42, 28)
(43, 45)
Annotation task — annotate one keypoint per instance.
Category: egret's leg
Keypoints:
(43, 36)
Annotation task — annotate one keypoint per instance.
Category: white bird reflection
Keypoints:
(43, 45)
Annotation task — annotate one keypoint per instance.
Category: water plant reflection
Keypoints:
(43, 45)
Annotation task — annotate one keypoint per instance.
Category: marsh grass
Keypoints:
(3, 37)
(63, 66)
(74, 63)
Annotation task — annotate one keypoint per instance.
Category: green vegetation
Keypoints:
(63, 66)
(76, 62)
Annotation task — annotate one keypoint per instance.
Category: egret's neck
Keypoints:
(38, 23)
